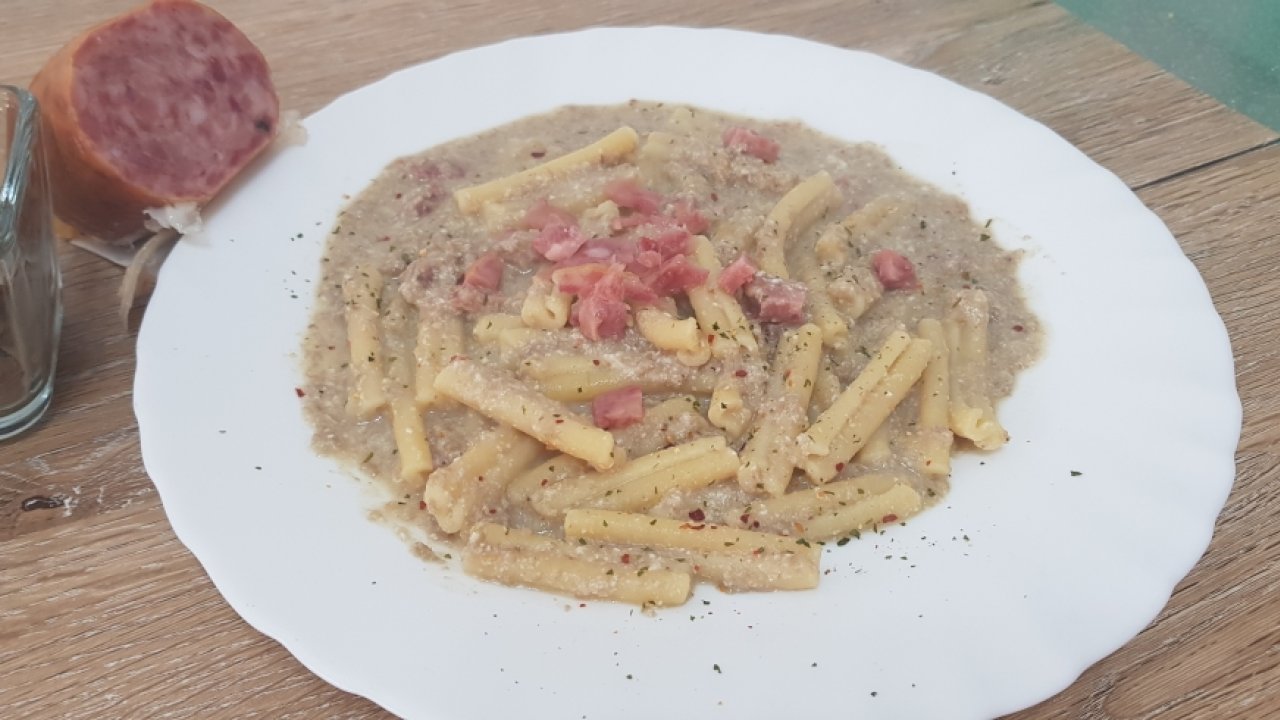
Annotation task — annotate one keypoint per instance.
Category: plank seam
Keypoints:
(1204, 165)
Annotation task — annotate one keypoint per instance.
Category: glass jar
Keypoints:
(30, 283)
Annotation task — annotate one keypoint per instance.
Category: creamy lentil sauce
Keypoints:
(697, 172)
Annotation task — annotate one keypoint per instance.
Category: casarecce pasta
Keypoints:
(616, 352)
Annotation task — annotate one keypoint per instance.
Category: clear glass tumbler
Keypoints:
(30, 283)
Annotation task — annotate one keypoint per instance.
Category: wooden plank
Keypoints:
(105, 614)
(112, 617)
(1126, 113)
(85, 452)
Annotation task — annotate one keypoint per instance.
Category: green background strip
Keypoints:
(1229, 49)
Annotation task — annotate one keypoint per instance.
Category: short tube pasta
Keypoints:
(578, 378)
(577, 198)
(726, 410)
(553, 470)
(488, 328)
(971, 413)
(879, 447)
(783, 512)
(893, 505)
(933, 426)
(669, 423)
(794, 213)
(625, 528)
(734, 558)
(817, 439)
(519, 557)
(826, 389)
(511, 402)
(545, 307)
(719, 315)
(644, 493)
(411, 440)
(833, 244)
(516, 339)
(457, 494)
(770, 456)
(835, 329)
(439, 339)
(362, 294)
(879, 403)
(680, 336)
(407, 428)
(639, 483)
(766, 571)
(611, 148)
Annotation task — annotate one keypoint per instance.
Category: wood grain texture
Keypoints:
(114, 618)
(85, 452)
(103, 613)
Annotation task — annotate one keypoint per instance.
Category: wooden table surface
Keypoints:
(103, 613)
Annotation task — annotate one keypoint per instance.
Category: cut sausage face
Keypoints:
(182, 116)
(162, 105)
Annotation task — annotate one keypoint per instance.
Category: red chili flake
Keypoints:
(538, 153)
(626, 558)
(739, 373)
(493, 511)
(479, 478)
(582, 604)
(422, 504)
(758, 551)
(715, 197)
(839, 467)
(299, 392)
(596, 362)
(755, 524)
(711, 338)
(559, 420)
(399, 195)
(544, 482)
(697, 568)
(1018, 328)
(787, 375)
(889, 518)
(697, 515)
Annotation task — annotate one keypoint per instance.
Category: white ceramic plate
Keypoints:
(994, 601)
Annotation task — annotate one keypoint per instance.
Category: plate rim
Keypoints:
(320, 666)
